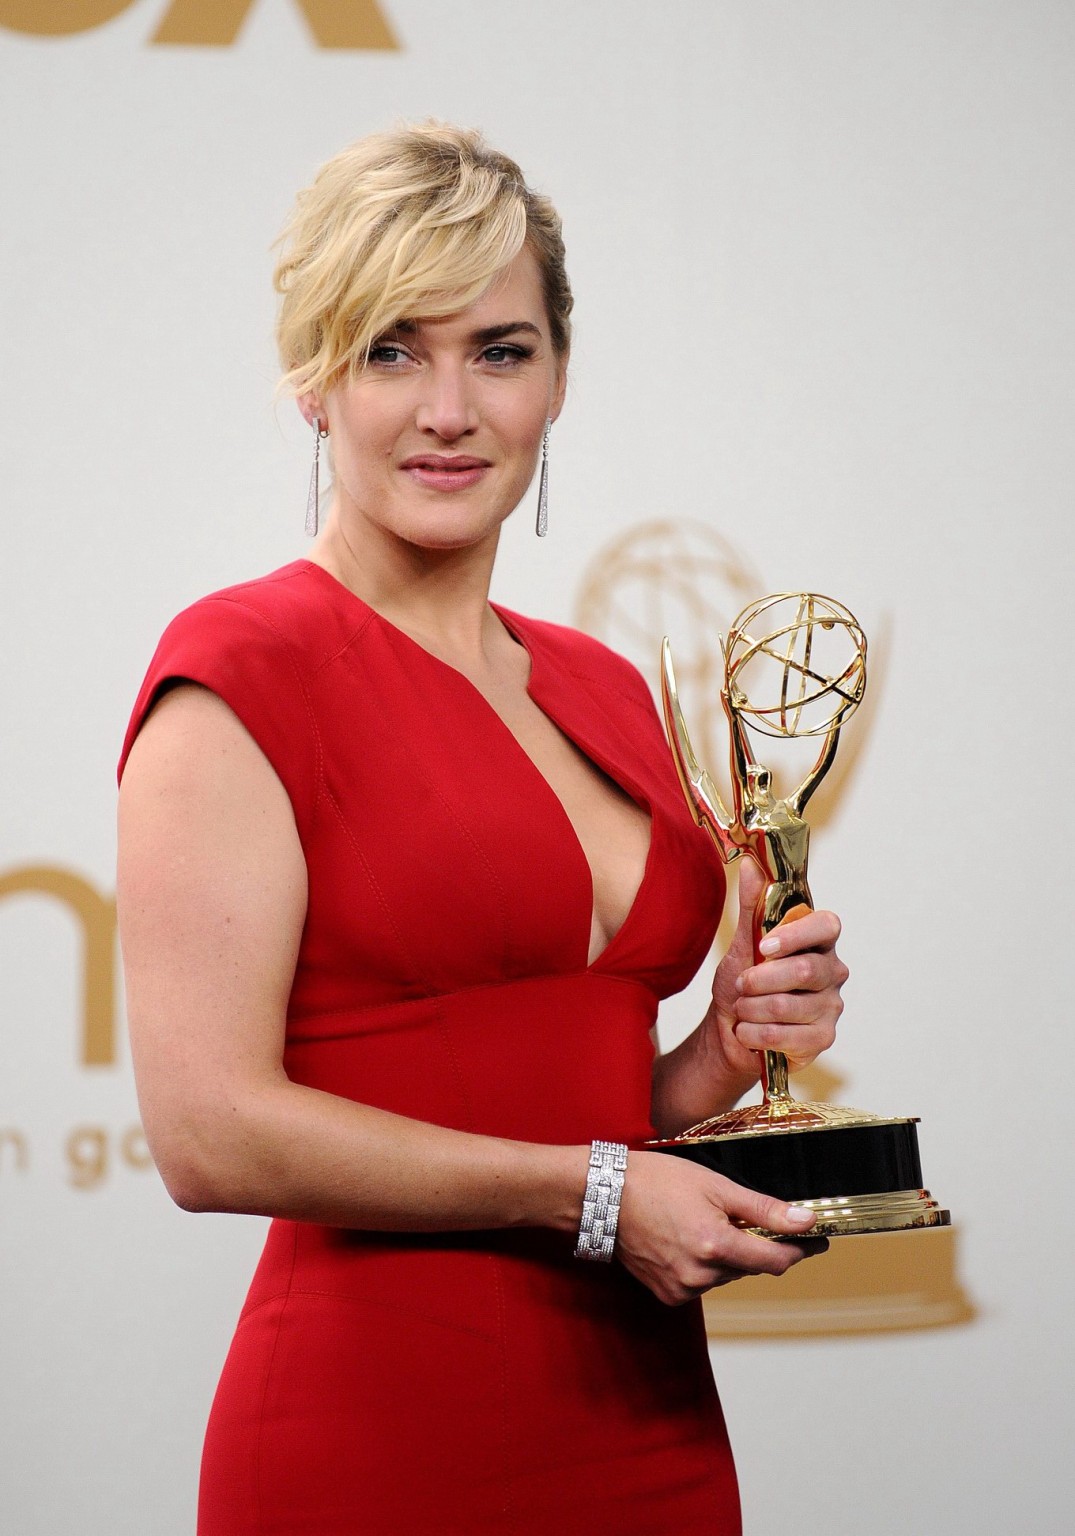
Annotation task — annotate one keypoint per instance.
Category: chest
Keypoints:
(613, 830)
(455, 848)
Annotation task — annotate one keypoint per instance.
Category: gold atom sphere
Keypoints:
(795, 664)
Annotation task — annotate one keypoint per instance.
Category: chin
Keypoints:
(450, 531)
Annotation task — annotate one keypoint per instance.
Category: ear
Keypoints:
(556, 404)
(311, 405)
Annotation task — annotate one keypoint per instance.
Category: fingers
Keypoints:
(682, 1229)
(760, 1255)
(802, 1023)
(799, 957)
(791, 1002)
(730, 1252)
(801, 1044)
(795, 1009)
(817, 930)
(735, 1254)
(812, 972)
(799, 1024)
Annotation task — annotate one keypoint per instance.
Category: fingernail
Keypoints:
(799, 1213)
(769, 945)
(739, 983)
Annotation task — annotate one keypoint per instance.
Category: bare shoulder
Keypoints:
(192, 744)
(211, 898)
(204, 821)
(189, 720)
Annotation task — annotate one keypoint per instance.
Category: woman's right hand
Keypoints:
(681, 1228)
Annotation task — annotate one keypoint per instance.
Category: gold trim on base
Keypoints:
(844, 1215)
(778, 1117)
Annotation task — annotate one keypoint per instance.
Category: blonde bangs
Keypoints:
(403, 226)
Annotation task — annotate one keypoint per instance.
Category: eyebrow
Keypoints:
(498, 332)
(483, 337)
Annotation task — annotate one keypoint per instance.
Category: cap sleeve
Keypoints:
(239, 654)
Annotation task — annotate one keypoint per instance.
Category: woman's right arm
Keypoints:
(212, 901)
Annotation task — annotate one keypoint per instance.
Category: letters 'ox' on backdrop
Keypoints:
(204, 23)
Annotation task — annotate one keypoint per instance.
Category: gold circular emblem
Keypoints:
(667, 577)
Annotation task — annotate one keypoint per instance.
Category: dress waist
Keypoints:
(554, 1059)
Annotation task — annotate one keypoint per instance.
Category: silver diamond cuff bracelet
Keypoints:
(601, 1201)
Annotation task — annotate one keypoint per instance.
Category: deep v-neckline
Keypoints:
(515, 626)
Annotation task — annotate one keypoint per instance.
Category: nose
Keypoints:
(446, 407)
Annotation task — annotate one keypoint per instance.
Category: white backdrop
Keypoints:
(823, 257)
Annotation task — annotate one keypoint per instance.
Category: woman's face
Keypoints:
(436, 440)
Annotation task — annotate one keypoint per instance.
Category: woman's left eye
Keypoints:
(501, 354)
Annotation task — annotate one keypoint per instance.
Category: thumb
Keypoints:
(750, 1208)
(751, 888)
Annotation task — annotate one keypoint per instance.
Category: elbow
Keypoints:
(192, 1186)
(191, 1193)
(198, 1176)
(217, 1154)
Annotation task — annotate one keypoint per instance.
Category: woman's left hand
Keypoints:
(791, 1001)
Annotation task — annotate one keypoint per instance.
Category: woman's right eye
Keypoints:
(387, 354)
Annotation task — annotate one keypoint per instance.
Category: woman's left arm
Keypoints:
(789, 1003)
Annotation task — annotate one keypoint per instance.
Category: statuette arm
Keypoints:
(799, 799)
(744, 766)
(700, 792)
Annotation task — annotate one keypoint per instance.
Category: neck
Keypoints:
(440, 597)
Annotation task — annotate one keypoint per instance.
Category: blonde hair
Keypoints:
(402, 226)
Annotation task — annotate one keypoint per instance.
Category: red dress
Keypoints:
(476, 1383)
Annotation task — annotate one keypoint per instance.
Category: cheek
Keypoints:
(524, 450)
(522, 427)
(366, 439)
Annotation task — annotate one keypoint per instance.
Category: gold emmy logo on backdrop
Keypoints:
(686, 579)
(95, 915)
(357, 24)
(660, 578)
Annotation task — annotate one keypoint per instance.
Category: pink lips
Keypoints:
(445, 472)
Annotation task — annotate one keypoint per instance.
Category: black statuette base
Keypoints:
(829, 1162)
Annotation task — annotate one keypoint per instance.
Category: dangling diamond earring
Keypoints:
(543, 484)
(313, 499)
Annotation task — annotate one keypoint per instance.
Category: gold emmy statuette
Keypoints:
(794, 666)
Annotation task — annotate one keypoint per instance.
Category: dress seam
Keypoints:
(645, 705)
(300, 678)
(465, 829)
(505, 1433)
(481, 986)
(445, 1032)
(632, 689)
(296, 1291)
(382, 901)
(268, 1373)
(341, 650)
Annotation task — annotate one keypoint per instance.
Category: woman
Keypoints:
(402, 879)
